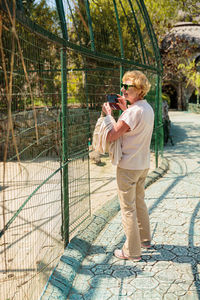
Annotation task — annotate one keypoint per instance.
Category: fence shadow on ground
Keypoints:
(115, 273)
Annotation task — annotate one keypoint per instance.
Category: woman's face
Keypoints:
(131, 94)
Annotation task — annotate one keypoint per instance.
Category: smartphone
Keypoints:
(112, 99)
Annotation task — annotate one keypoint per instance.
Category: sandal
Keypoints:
(120, 254)
(146, 245)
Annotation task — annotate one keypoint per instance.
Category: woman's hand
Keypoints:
(106, 108)
(122, 102)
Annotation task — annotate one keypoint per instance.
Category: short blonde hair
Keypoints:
(138, 79)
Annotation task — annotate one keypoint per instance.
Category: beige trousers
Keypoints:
(135, 217)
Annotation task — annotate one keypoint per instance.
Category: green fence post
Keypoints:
(139, 32)
(64, 146)
(119, 29)
(157, 100)
(121, 44)
(152, 35)
(65, 192)
(90, 25)
(89, 136)
(61, 14)
(121, 76)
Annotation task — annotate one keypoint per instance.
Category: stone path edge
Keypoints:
(60, 282)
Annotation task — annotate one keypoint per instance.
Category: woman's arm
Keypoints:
(119, 128)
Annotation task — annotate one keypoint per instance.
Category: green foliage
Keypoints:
(191, 8)
(165, 13)
(42, 14)
(162, 14)
(28, 6)
(166, 97)
(190, 71)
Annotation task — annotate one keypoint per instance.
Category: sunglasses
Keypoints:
(127, 86)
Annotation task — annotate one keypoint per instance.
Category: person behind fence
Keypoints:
(134, 127)
(166, 123)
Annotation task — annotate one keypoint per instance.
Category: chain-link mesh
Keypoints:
(30, 143)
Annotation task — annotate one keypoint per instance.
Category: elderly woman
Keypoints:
(135, 127)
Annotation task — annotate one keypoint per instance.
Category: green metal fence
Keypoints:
(58, 61)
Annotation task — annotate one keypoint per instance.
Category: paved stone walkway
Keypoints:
(171, 269)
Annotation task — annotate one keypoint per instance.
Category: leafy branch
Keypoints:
(190, 71)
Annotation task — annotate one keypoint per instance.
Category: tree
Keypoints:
(28, 6)
(165, 13)
(162, 14)
(43, 14)
(190, 8)
(174, 47)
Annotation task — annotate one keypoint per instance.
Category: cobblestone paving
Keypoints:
(171, 268)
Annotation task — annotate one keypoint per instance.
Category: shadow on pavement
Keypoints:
(114, 276)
